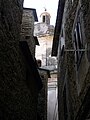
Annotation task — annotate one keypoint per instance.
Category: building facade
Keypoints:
(44, 31)
(71, 45)
(27, 28)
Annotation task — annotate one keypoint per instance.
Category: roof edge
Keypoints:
(58, 27)
(34, 13)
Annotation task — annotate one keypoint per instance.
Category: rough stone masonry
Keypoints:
(16, 101)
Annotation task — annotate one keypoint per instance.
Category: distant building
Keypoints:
(71, 44)
(44, 31)
(27, 28)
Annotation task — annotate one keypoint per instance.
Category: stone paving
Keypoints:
(52, 101)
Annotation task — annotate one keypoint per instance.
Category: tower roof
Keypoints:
(45, 13)
(45, 16)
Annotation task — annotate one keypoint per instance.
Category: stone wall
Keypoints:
(42, 29)
(27, 29)
(73, 84)
(42, 97)
(17, 101)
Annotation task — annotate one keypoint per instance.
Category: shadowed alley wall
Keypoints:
(17, 99)
(73, 25)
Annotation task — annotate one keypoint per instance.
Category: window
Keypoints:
(62, 40)
(27, 37)
(43, 18)
(78, 40)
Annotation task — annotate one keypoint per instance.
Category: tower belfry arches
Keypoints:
(45, 16)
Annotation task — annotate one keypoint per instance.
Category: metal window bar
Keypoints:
(72, 50)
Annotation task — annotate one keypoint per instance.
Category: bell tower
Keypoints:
(45, 16)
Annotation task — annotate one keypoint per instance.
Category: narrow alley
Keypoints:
(44, 60)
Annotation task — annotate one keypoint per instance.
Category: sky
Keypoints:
(39, 5)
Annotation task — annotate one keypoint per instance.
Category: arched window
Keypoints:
(78, 38)
(43, 18)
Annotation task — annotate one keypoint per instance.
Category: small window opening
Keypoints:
(78, 41)
(27, 37)
(43, 18)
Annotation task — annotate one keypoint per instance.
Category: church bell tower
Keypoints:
(45, 16)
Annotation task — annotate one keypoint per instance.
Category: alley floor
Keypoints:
(52, 101)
